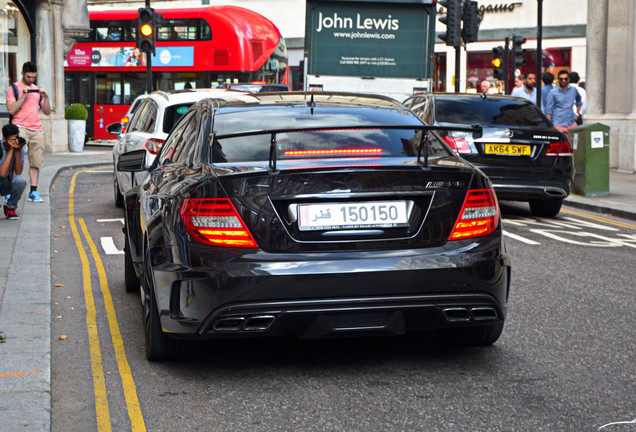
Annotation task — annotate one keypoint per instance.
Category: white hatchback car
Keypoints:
(150, 119)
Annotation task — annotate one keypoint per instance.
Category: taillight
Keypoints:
(479, 215)
(124, 124)
(561, 148)
(215, 221)
(153, 145)
(459, 145)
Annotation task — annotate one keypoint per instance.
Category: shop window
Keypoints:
(11, 59)
(479, 68)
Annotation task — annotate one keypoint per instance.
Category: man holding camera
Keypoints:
(24, 100)
(11, 164)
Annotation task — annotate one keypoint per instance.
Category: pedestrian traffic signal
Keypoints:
(470, 19)
(453, 22)
(498, 71)
(518, 52)
(146, 30)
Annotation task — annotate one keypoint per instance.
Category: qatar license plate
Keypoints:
(340, 216)
(508, 149)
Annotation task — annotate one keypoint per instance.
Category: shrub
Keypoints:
(76, 111)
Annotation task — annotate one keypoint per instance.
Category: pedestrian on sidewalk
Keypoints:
(528, 89)
(12, 183)
(547, 79)
(560, 102)
(24, 100)
(574, 79)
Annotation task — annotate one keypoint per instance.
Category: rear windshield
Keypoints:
(485, 111)
(172, 115)
(327, 143)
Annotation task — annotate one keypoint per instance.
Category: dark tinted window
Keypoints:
(171, 147)
(184, 151)
(489, 110)
(328, 143)
(172, 115)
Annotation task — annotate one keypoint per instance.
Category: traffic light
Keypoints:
(453, 22)
(498, 71)
(146, 30)
(518, 52)
(470, 19)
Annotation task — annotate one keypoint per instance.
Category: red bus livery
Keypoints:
(196, 48)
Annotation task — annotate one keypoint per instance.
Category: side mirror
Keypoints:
(114, 128)
(132, 161)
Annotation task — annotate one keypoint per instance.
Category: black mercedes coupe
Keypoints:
(523, 154)
(312, 215)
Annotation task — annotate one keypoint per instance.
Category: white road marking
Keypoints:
(112, 220)
(109, 246)
(521, 239)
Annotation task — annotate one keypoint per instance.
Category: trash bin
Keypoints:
(591, 159)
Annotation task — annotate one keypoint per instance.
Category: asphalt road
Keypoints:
(566, 360)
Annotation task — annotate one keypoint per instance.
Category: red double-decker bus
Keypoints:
(196, 48)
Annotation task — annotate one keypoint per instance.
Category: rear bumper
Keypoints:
(521, 192)
(353, 316)
(324, 295)
(530, 184)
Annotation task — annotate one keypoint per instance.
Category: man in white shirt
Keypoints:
(574, 79)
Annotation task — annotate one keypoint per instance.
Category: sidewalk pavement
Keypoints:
(25, 287)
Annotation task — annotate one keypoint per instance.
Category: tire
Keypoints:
(471, 336)
(546, 208)
(159, 347)
(131, 281)
(119, 197)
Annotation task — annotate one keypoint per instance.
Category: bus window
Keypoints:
(113, 31)
(109, 33)
(184, 29)
(115, 88)
(178, 80)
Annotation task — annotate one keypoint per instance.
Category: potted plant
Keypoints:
(76, 114)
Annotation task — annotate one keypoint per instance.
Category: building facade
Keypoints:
(563, 42)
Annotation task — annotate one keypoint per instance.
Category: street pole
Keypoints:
(149, 62)
(457, 67)
(539, 50)
(506, 65)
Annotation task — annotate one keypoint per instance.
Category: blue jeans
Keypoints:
(14, 187)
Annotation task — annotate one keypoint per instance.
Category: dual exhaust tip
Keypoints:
(469, 313)
(248, 323)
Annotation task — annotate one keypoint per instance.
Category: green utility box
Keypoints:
(591, 159)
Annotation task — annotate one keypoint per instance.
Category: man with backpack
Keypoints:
(24, 100)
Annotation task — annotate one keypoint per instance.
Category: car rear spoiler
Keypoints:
(476, 130)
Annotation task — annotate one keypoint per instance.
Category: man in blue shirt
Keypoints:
(12, 183)
(528, 90)
(547, 79)
(560, 102)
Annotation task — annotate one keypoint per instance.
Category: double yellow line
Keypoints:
(128, 384)
(600, 219)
